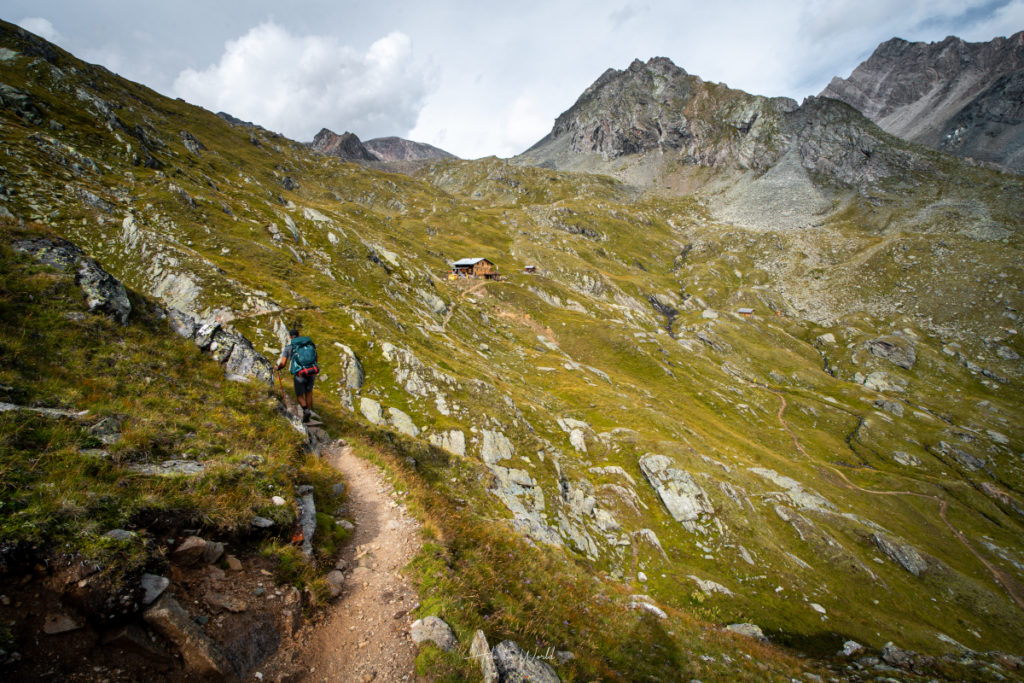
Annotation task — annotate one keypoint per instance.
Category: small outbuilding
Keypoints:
(746, 312)
(530, 269)
(475, 267)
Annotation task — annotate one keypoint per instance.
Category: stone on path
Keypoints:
(307, 517)
(59, 623)
(515, 665)
(335, 581)
(436, 631)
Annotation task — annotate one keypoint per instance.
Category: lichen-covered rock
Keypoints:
(685, 500)
(436, 631)
(516, 666)
(371, 410)
(453, 441)
(403, 423)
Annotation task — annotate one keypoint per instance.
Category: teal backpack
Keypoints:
(303, 357)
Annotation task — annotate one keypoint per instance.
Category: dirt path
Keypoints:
(364, 634)
(463, 293)
(998, 575)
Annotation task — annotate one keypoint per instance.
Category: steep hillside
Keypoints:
(962, 98)
(843, 464)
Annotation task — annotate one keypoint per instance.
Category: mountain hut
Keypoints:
(475, 267)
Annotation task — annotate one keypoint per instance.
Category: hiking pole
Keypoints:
(280, 383)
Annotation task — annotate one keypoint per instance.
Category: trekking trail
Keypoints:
(451, 310)
(363, 635)
(998, 575)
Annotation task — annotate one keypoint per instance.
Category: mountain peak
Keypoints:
(959, 97)
(345, 146)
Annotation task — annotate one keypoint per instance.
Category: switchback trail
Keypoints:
(363, 636)
(998, 575)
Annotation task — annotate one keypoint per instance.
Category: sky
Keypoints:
(475, 77)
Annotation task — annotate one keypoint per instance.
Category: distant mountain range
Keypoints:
(963, 98)
(348, 146)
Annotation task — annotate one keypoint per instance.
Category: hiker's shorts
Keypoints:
(303, 385)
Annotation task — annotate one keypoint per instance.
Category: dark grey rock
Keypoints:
(201, 655)
(338, 489)
(967, 460)
(153, 586)
(121, 535)
(102, 291)
(191, 143)
(21, 104)
(213, 551)
(108, 430)
(56, 622)
(436, 631)
(262, 522)
(182, 323)
(335, 581)
(516, 666)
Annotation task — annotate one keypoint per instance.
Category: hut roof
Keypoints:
(469, 262)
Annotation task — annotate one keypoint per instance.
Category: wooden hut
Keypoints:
(475, 267)
(530, 269)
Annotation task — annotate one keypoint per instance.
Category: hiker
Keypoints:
(301, 351)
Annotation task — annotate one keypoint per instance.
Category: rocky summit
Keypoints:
(730, 389)
(964, 98)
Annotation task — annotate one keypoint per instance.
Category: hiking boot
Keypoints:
(305, 415)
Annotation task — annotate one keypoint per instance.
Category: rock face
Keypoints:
(345, 146)
(102, 291)
(228, 347)
(639, 122)
(515, 665)
(962, 98)
(399, 149)
(685, 499)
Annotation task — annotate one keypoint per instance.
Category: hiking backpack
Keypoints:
(303, 357)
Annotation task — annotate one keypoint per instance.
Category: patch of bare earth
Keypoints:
(363, 636)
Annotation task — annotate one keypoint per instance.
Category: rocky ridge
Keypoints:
(959, 97)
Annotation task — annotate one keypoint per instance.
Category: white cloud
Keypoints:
(1005, 21)
(42, 28)
(299, 84)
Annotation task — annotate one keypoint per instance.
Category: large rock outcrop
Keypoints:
(963, 98)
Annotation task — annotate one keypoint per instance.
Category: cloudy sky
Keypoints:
(475, 77)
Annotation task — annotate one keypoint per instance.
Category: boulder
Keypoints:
(190, 551)
(685, 500)
(351, 368)
(56, 622)
(850, 648)
(371, 410)
(436, 631)
(514, 665)
(749, 630)
(896, 350)
(453, 441)
(335, 582)
(202, 656)
(481, 652)
(403, 423)
(904, 555)
(213, 551)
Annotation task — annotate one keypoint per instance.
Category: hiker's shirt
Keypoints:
(286, 352)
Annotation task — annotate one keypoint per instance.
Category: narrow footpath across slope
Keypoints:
(363, 636)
